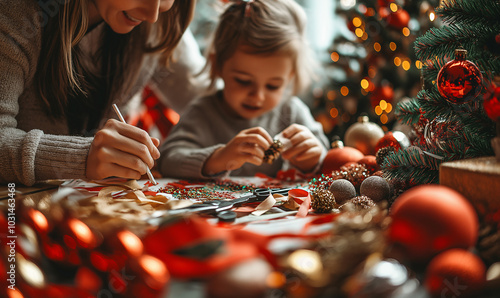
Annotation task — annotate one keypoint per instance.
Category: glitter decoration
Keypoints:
(206, 190)
(357, 236)
(322, 201)
(356, 173)
(359, 203)
(343, 190)
(376, 188)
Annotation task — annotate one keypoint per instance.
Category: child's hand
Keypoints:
(247, 146)
(305, 150)
(121, 150)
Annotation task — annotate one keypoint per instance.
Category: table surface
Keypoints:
(73, 190)
(77, 190)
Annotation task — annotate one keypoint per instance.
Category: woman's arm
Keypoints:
(29, 156)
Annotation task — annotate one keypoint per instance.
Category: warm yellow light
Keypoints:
(306, 262)
(378, 110)
(392, 46)
(334, 112)
(359, 32)
(406, 31)
(388, 109)
(377, 47)
(155, 269)
(331, 95)
(357, 22)
(397, 61)
(344, 90)
(393, 7)
(432, 16)
(365, 36)
(384, 119)
(383, 104)
(418, 64)
(132, 244)
(335, 56)
(406, 65)
(365, 84)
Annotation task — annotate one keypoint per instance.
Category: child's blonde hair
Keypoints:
(263, 27)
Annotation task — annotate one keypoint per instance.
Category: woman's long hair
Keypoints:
(63, 81)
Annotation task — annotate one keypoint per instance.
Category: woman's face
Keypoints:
(123, 15)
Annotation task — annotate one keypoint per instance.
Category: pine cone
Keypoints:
(322, 201)
(382, 153)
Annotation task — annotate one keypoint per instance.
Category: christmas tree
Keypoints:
(453, 114)
(372, 65)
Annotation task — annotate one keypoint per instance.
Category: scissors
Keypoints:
(221, 207)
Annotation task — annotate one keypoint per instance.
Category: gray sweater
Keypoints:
(208, 125)
(33, 145)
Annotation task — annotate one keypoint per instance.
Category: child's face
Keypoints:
(123, 15)
(254, 84)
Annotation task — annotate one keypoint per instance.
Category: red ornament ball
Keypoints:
(492, 103)
(459, 81)
(370, 162)
(428, 219)
(395, 139)
(384, 92)
(339, 156)
(456, 268)
(398, 19)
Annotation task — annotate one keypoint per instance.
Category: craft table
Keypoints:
(115, 203)
(116, 238)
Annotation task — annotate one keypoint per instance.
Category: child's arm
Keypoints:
(247, 146)
(306, 150)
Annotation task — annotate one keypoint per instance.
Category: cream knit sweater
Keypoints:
(35, 147)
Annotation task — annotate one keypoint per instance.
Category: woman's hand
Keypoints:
(306, 149)
(121, 150)
(247, 146)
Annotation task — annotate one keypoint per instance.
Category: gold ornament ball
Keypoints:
(363, 135)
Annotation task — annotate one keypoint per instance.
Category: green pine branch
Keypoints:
(411, 164)
(408, 112)
(442, 42)
(464, 11)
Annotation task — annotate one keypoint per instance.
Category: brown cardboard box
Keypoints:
(478, 179)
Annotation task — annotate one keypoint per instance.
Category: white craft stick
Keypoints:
(151, 178)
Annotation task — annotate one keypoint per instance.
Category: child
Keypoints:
(259, 51)
(62, 65)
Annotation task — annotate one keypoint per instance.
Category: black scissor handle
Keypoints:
(263, 193)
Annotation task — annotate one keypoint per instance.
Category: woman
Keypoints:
(62, 65)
